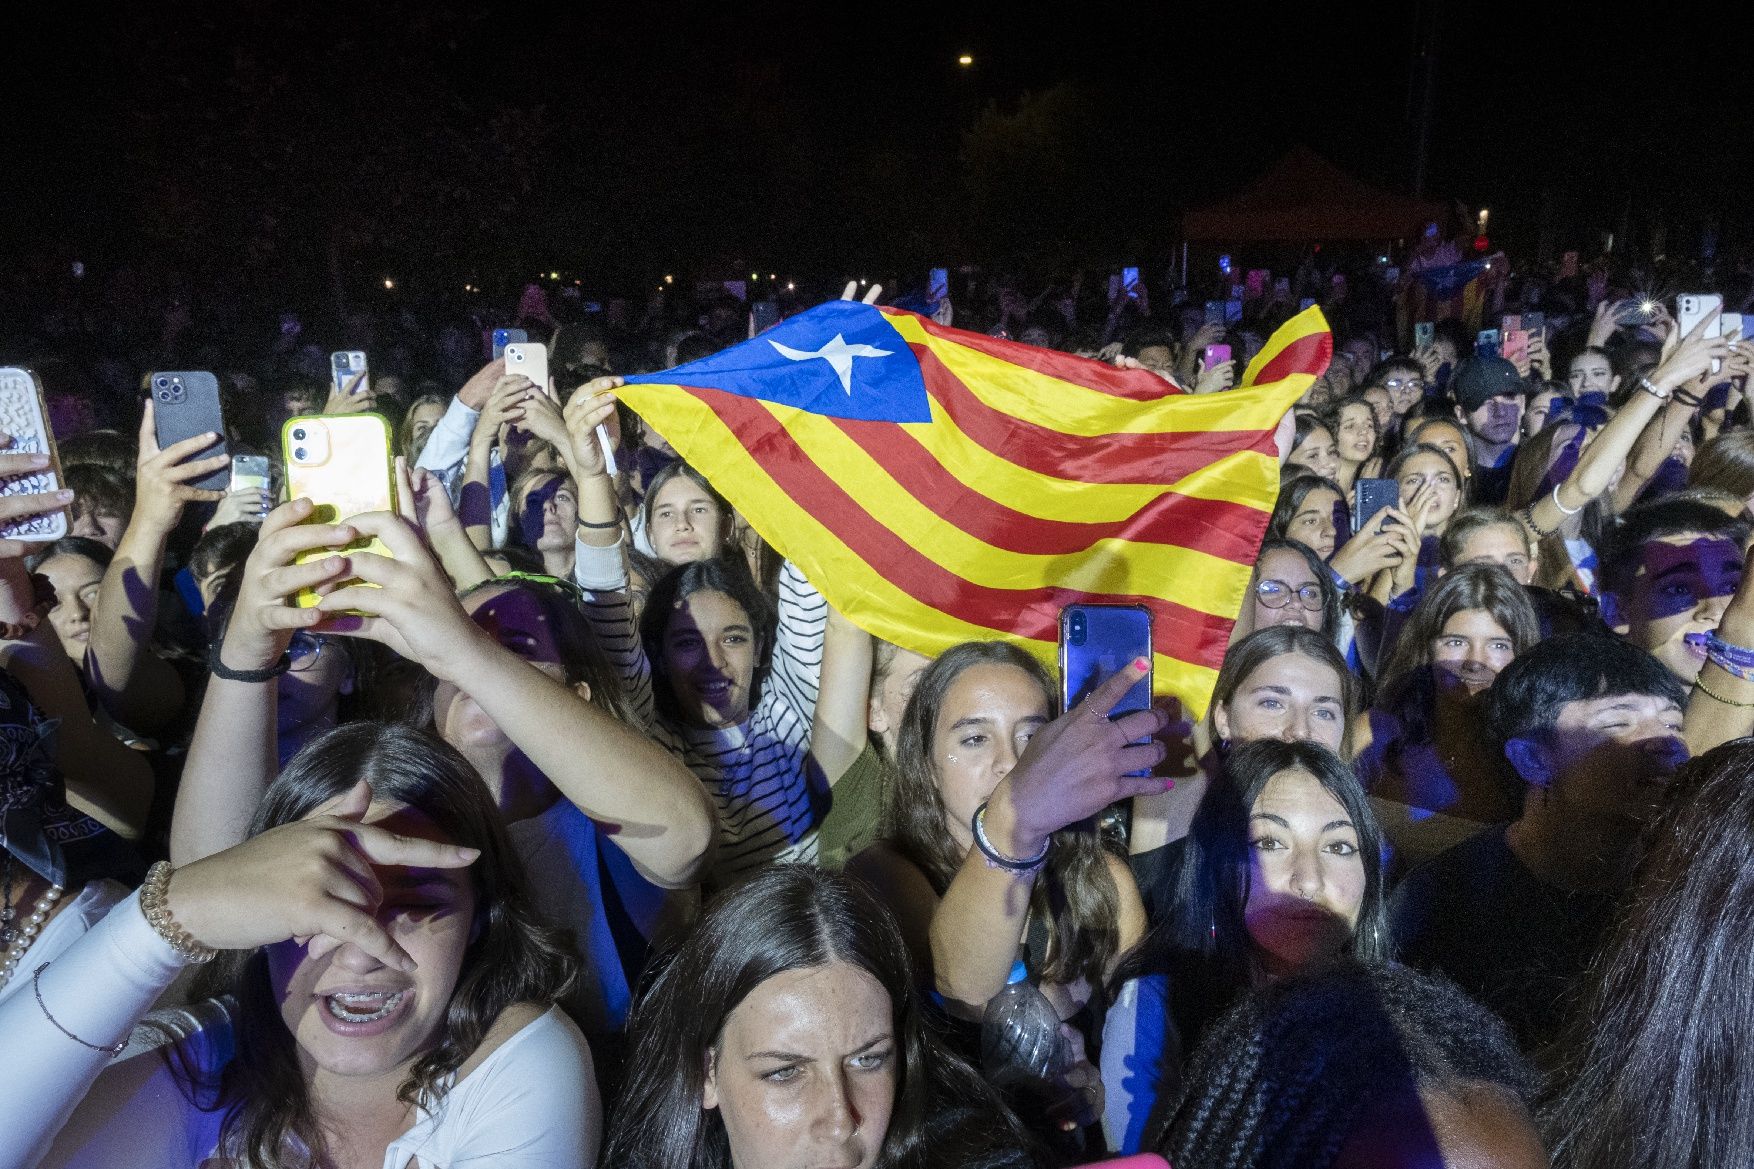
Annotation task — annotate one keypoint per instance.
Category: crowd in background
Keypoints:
(567, 824)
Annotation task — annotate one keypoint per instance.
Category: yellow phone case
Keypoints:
(342, 463)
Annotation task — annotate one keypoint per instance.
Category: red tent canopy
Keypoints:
(1305, 198)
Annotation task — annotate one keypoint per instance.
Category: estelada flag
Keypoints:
(941, 486)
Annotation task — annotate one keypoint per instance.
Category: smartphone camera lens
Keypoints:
(1077, 632)
(298, 435)
(298, 454)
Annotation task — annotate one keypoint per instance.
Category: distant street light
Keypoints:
(965, 60)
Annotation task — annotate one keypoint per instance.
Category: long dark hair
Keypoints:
(1409, 691)
(514, 957)
(1204, 944)
(790, 917)
(1657, 1060)
(1076, 897)
(728, 574)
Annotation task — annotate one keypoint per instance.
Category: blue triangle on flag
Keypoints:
(842, 359)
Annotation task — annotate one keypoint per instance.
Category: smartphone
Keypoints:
(1256, 283)
(1423, 334)
(939, 286)
(1510, 322)
(504, 337)
(1370, 496)
(1224, 264)
(737, 288)
(764, 315)
(1211, 355)
(1535, 324)
(1214, 312)
(1098, 642)
(341, 463)
(24, 416)
(250, 472)
(1233, 312)
(1515, 348)
(186, 404)
(1729, 324)
(529, 359)
(1136, 1161)
(1306, 304)
(1282, 286)
(1692, 308)
(1486, 343)
(344, 367)
(1130, 282)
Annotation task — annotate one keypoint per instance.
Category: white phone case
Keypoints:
(1693, 307)
(22, 417)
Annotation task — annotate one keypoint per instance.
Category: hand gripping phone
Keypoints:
(26, 420)
(186, 404)
(341, 463)
(1098, 642)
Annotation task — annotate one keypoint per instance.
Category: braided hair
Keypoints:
(1285, 1077)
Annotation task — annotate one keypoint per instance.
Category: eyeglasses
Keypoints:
(304, 650)
(1403, 383)
(1276, 594)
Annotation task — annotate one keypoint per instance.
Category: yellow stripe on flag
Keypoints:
(845, 579)
(1055, 404)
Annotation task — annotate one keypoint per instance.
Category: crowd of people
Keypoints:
(554, 819)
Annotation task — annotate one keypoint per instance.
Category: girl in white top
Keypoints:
(393, 992)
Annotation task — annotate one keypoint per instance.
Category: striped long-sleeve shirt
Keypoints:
(770, 795)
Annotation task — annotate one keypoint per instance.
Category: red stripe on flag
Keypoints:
(1307, 354)
(1137, 384)
(1154, 459)
(1217, 526)
(1178, 631)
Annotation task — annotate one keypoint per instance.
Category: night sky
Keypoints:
(625, 140)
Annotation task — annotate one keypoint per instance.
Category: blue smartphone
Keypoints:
(1130, 282)
(1370, 496)
(504, 337)
(764, 315)
(1096, 643)
(1487, 342)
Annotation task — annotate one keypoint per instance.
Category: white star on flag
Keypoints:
(837, 353)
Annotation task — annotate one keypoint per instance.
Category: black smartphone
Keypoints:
(764, 315)
(1098, 642)
(1370, 496)
(185, 404)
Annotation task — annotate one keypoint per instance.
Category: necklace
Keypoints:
(15, 938)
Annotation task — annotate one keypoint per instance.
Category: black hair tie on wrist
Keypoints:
(221, 670)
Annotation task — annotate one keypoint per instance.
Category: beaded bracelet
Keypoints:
(1650, 387)
(997, 859)
(1709, 693)
(158, 914)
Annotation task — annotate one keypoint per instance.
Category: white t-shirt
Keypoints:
(531, 1104)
